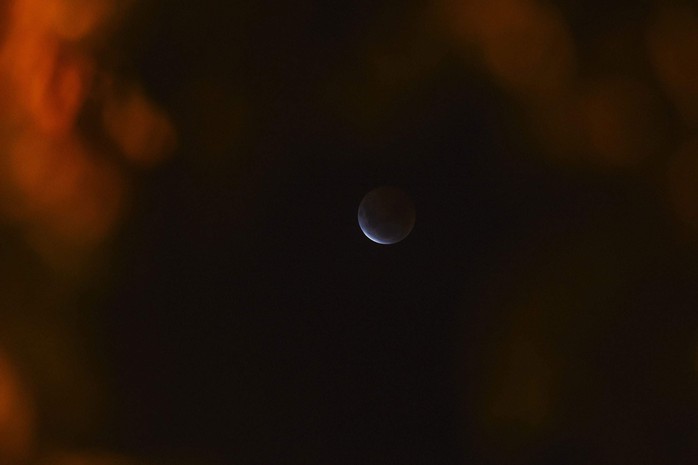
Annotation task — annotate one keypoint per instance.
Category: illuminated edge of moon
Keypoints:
(381, 242)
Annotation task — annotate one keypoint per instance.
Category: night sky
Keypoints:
(248, 320)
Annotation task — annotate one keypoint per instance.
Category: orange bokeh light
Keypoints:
(142, 131)
(57, 182)
(17, 415)
(619, 118)
(672, 42)
(525, 44)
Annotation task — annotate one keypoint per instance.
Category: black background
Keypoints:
(250, 320)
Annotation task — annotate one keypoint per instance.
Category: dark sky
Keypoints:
(250, 320)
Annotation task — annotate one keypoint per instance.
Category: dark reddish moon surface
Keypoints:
(386, 215)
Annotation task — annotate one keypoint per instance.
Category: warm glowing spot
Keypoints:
(520, 390)
(142, 131)
(65, 188)
(75, 19)
(90, 217)
(46, 174)
(673, 50)
(46, 78)
(27, 62)
(58, 185)
(16, 415)
(525, 45)
(67, 19)
(619, 117)
(56, 108)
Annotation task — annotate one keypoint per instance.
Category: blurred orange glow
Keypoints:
(17, 417)
(620, 120)
(76, 19)
(520, 389)
(66, 19)
(522, 397)
(141, 130)
(519, 392)
(47, 78)
(56, 183)
(63, 188)
(673, 49)
(525, 44)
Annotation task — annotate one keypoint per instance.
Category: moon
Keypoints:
(386, 215)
